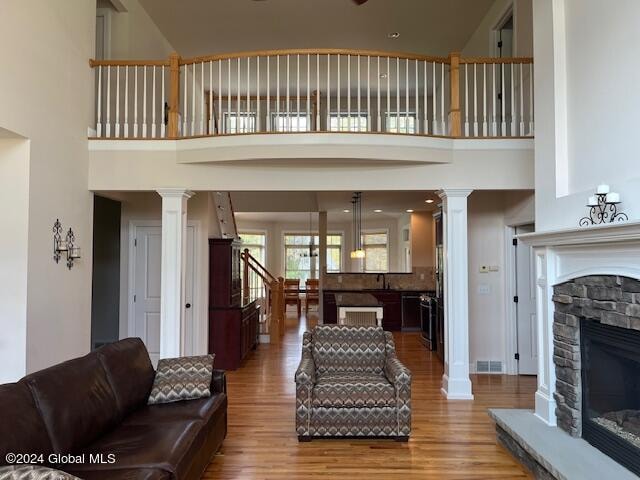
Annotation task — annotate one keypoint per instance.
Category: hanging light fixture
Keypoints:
(313, 252)
(356, 201)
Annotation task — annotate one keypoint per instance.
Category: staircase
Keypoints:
(259, 285)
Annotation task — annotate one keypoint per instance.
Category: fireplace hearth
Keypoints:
(597, 359)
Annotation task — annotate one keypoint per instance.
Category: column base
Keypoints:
(545, 408)
(456, 389)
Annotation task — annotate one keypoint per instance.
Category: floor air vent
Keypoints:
(488, 366)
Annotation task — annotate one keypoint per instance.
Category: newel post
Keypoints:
(455, 118)
(174, 95)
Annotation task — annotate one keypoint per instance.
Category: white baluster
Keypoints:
(397, 94)
(297, 92)
(425, 120)
(443, 118)
(163, 132)
(203, 104)
(144, 102)
(369, 128)
(513, 103)
(359, 104)
(338, 99)
(466, 100)
(521, 103)
(531, 125)
(278, 93)
(318, 96)
(247, 121)
(388, 115)
(309, 112)
(153, 103)
(406, 95)
(99, 111)
(211, 91)
(434, 127)
(417, 89)
(108, 125)
(484, 100)
(494, 98)
(328, 93)
(503, 126)
(186, 104)
(258, 96)
(117, 101)
(348, 93)
(220, 126)
(229, 111)
(135, 102)
(268, 120)
(288, 111)
(379, 123)
(475, 100)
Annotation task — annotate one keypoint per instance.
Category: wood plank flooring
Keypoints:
(450, 440)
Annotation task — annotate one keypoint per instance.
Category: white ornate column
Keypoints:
(173, 271)
(456, 384)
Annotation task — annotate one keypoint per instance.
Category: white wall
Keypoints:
(14, 241)
(586, 102)
(46, 96)
(483, 42)
(488, 216)
(134, 35)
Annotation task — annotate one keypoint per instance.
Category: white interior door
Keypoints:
(146, 293)
(526, 325)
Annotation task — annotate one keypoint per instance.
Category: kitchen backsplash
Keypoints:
(422, 278)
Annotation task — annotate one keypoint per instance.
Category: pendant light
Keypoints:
(356, 201)
(313, 252)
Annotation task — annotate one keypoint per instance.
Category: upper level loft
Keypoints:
(314, 91)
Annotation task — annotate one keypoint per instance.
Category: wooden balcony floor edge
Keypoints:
(450, 440)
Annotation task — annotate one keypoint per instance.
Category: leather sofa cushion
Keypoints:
(129, 371)
(201, 409)
(338, 348)
(347, 390)
(75, 400)
(166, 445)
(21, 427)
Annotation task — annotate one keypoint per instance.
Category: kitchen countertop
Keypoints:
(356, 300)
(381, 290)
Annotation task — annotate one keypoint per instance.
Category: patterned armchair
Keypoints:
(351, 384)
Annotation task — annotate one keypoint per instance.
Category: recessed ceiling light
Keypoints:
(428, 201)
(409, 210)
(377, 210)
(393, 35)
(346, 210)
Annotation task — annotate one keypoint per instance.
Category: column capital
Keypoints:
(454, 192)
(175, 193)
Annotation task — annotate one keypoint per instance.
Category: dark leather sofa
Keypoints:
(97, 404)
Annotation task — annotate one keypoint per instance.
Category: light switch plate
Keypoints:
(484, 289)
(484, 269)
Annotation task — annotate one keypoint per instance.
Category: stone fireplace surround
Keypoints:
(589, 273)
(607, 299)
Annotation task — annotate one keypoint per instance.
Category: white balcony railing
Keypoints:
(314, 91)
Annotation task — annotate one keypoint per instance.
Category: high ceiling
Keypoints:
(201, 27)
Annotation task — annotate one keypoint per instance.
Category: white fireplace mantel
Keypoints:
(560, 256)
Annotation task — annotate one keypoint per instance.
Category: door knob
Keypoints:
(188, 305)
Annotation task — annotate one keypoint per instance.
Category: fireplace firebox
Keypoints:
(611, 390)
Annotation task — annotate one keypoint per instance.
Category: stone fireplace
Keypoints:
(596, 352)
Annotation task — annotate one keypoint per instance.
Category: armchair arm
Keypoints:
(305, 379)
(218, 381)
(400, 377)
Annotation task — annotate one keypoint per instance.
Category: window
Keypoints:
(290, 122)
(343, 122)
(255, 243)
(376, 249)
(404, 123)
(298, 263)
(239, 122)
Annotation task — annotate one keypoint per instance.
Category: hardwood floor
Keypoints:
(450, 440)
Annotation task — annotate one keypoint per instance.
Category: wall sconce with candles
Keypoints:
(603, 208)
(64, 246)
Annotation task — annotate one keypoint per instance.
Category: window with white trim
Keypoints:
(375, 244)
(348, 122)
(405, 122)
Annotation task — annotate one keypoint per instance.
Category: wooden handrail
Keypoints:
(248, 256)
(524, 60)
(128, 63)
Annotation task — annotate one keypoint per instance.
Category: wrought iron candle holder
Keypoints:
(603, 208)
(67, 245)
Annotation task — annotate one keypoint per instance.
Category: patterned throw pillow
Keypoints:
(33, 472)
(183, 378)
